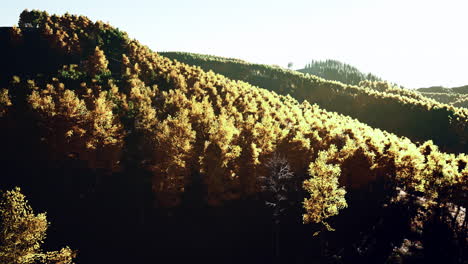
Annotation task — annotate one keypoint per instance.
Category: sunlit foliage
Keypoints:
(370, 101)
(191, 122)
(22, 233)
(326, 197)
(5, 101)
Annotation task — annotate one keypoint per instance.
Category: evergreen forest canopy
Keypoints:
(456, 96)
(441, 89)
(337, 71)
(114, 125)
(347, 74)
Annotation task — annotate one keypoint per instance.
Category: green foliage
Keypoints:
(71, 72)
(22, 233)
(338, 71)
(441, 89)
(32, 19)
(451, 98)
(113, 41)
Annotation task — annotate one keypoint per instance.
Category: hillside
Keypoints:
(456, 96)
(337, 71)
(440, 89)
(412, 115)
(454, 99)
(139, 156)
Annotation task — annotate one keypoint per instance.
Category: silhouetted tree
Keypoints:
(278, 188)
(32, 18)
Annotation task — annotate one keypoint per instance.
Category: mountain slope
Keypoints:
(231, 122)
(412, 115)
(454, 99)
(456, 96)
(440, 89)
(102, 117)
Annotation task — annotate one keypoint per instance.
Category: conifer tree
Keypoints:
(32, 18)
(97, 63)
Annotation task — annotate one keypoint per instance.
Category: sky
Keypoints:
(414, 43)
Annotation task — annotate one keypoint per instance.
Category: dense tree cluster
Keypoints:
(188, 122)
(461, 102)
(455, 96)
(454, 99)
(338, 71)
(412, 115)
(441, 89)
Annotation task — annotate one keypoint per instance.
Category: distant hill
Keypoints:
(441, 89)
(455, 96)
(338, 71)
(450, 98)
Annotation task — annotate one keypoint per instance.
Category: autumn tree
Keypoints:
(326, 197)
(5, 102)
(22, 233)
(97, 63)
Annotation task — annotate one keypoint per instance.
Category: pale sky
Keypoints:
(415, 43)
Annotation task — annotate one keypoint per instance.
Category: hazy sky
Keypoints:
(415, 43)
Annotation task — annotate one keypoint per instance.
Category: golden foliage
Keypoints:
(195, 122)
(97, 63)
(326, 197)
(173, 150)
(5, 102)
(90, 131)
(22, 233)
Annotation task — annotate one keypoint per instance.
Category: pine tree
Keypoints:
(97, 63)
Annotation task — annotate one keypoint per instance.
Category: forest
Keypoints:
(114, 153)
(338, 71)
(456, 96)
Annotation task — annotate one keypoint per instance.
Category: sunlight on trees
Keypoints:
(22, 233)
